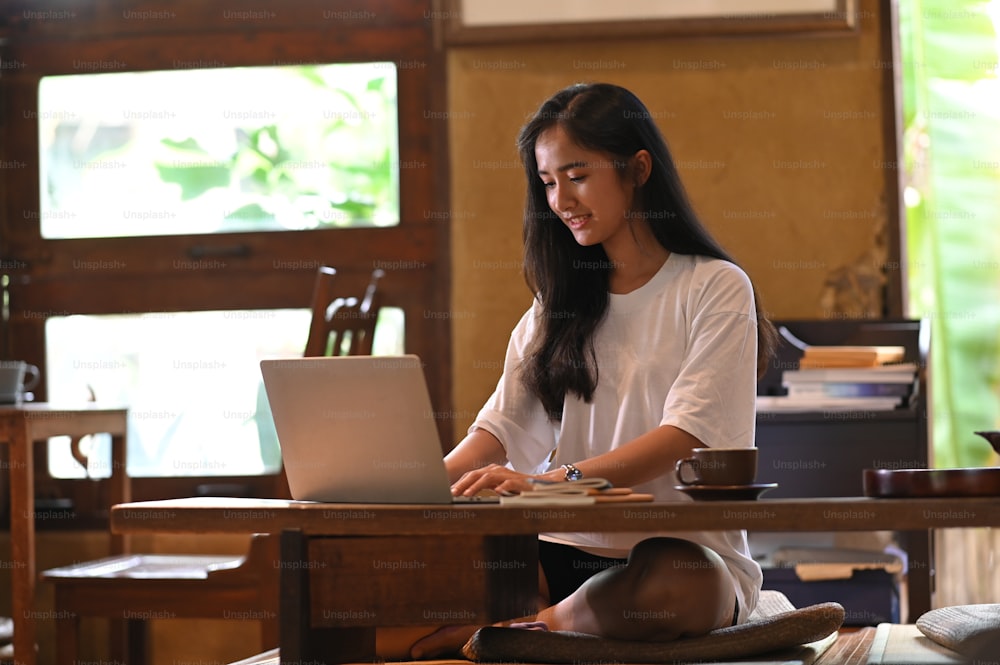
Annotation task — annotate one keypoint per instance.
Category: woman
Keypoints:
(644, 341)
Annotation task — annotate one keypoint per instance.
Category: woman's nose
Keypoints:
(561, 199)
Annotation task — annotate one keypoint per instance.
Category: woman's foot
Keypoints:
(530, 625)
(444, 642)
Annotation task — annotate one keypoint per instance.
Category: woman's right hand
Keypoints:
(500, 478)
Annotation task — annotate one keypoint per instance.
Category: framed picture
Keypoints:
(466, 22)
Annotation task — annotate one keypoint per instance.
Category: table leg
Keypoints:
(300, 642)
(121, 487)
(22, 537)
(919, 547)
(67, 646)
(335, 590)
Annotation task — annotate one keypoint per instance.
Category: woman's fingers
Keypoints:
(514, 485)
(492, 477)
(469, 480)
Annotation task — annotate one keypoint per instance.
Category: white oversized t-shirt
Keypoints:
(680, 350)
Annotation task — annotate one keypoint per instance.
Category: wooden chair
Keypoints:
(131, 588)
(342, 326)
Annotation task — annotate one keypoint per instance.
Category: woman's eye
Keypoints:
(579, 178)
(548, 185)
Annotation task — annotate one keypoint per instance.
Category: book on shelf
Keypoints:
(844, 378)
(788, 404)
(898, 373)
(879, 388)
(850, 389)
(850, 356)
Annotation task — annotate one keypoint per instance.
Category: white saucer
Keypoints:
(725, 492)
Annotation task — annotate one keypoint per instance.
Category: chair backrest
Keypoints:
(342, 326)
(339, 326)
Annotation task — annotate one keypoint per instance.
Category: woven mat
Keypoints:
(775, 625)
(806, 654)
(776, 634)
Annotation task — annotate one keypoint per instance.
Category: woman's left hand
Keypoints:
(492, 477)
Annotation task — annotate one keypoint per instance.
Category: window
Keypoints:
(218, 150)
(172, 242)
(192, 382)
(197, 151)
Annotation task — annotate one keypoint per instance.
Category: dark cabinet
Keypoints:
(824, 454)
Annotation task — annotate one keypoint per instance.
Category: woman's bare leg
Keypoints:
(669, 588)
(397, 643)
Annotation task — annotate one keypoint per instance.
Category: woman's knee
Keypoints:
(655, 550)
(689, 579)
(676, 557)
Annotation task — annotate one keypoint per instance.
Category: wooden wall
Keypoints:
(781, 142)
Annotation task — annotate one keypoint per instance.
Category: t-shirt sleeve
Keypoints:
(513, 414)
(714, 396)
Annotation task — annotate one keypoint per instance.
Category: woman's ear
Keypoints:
(642, 166)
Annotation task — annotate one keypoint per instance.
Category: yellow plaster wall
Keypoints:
(779, 140)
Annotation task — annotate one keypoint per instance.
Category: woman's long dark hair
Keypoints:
(571, 281)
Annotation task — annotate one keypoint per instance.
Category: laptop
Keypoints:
(357, 429)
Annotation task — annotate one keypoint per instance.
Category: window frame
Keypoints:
(42, 279)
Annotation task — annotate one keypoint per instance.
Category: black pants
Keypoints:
(566, 567)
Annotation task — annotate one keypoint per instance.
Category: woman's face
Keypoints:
(584, 189)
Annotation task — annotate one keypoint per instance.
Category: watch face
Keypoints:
(572, 473)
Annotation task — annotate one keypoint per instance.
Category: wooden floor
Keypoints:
(851, 648)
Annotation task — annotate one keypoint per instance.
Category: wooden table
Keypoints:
(341, 563)
(20, 427)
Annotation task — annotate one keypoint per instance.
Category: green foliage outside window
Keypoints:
(272, 183)
(239, 149)
(951, 109)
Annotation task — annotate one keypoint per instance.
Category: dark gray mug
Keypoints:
(16, 378)
(718, 467)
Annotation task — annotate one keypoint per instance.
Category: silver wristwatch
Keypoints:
(572, 473)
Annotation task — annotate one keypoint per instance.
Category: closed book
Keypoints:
(850, 356)
(902, 373)
(825, 403)
(851, 389)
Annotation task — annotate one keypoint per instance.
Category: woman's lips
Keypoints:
(578, 221)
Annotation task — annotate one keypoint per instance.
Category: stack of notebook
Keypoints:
(861, 378)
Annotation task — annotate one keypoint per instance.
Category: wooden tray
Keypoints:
(932, 482)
